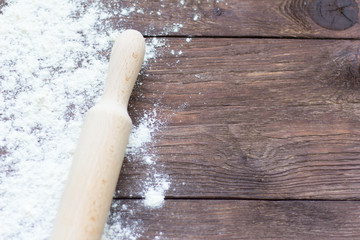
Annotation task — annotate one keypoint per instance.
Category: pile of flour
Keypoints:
(51, 72)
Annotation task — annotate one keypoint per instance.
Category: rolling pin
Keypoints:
(89, 190)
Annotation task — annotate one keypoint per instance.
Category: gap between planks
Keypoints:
(250, 37)
(241, 199)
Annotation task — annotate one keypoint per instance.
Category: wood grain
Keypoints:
(249, 18)
(247, 118)
(265, 18)
(198, 219)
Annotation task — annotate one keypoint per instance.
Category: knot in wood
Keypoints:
(217, 11)
(346, 74)
(334, 14)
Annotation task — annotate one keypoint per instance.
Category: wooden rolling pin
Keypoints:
(99, 155)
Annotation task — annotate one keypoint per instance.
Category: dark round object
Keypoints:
(217, 11)
(334, 14)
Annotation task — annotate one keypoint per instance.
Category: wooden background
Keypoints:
(262, 139)
(263, 122)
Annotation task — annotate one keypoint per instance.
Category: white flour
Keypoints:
(156, 184)
(51, 73)
(154, 196)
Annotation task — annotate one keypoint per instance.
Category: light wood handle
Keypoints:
(99, 155)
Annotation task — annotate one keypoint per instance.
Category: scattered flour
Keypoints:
(148, 160)
(172, 29)
(51, 72)
(121, 225)
(154, 198)
(142, 134)
(127, 11)
(176, 27)
(156, 184)
(155, 193)
(196, 17)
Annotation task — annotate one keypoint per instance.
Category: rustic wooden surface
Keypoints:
(254, 118)
(254, 18)
(248, 119)
(214, 219)
(257, 129)
(262, 133)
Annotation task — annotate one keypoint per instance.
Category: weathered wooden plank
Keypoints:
(199, 219)
(262, 18)
(253, 119)
(266, 18)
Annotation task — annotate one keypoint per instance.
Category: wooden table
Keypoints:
(262, 112)
(263, 120)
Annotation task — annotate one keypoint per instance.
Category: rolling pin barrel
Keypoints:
(99, 155)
